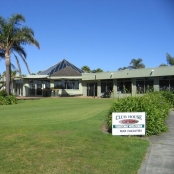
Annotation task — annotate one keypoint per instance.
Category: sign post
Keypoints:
(128, 123)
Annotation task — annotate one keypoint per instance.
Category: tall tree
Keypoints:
(39, 72)
(169, 59)
(13, 36)
(86, 69)
(122, 68)
(98, 70)
(136, 64)
(163, 64)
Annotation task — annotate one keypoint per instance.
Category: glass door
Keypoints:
(92, 89)
(39, 89)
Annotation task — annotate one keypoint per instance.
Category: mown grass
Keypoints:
(64, 135)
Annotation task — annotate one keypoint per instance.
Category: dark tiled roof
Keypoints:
(60, 66)
(68, 71)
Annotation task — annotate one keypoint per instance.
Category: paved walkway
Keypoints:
(160, 155)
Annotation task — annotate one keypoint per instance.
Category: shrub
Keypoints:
(8, 100)
(169, 96)
(3, 93)
(155, 105)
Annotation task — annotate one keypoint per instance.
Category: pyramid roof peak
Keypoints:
(59, 66)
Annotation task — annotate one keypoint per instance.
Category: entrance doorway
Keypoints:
(36, 87)
(92, 89)
(18, 88)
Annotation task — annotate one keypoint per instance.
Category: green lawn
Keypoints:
(64, 135)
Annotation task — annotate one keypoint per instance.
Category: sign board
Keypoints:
(128, 123)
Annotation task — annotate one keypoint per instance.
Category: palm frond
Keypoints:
(26, 36)
(19, 67)
(2, 23)
(26, 64)
(13, 67)
(15, 19)
(19, 49)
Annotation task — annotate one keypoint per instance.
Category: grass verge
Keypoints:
(64, 136)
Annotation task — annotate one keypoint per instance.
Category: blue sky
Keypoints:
(104, 34)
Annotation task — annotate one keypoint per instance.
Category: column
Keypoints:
(134, 88)
(156, 84)
(98, 88)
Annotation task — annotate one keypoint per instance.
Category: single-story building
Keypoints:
(65, 79)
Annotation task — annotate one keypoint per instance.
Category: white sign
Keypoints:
(128, 123)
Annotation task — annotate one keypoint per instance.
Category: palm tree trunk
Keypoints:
(10, 81)
(7, 63)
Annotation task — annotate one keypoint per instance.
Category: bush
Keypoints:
(8, 100)
(3, 93)
(155, 105)
(169, 96)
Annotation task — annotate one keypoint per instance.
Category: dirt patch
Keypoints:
(104, 128)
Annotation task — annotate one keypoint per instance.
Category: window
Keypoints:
(166, 83)
(67, 84)
(149, 82)
(71, 84)
(172, 83)
(46, 84)
(58, 84)
(140, 85)
(106, 86)
(103, 86)
(124, 86)
(31, 87)
(144, 85)
(76, 84)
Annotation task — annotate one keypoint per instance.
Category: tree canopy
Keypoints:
(169, 59)
(122, 68)
(87, 69)
(98, 70)
(163, 64)
(136, 64)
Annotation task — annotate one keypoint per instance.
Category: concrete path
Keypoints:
(160, 155)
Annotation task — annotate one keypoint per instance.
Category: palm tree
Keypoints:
(170, 59)
(136, 64)
(86, 69)
(12, 37)
(2, 83)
